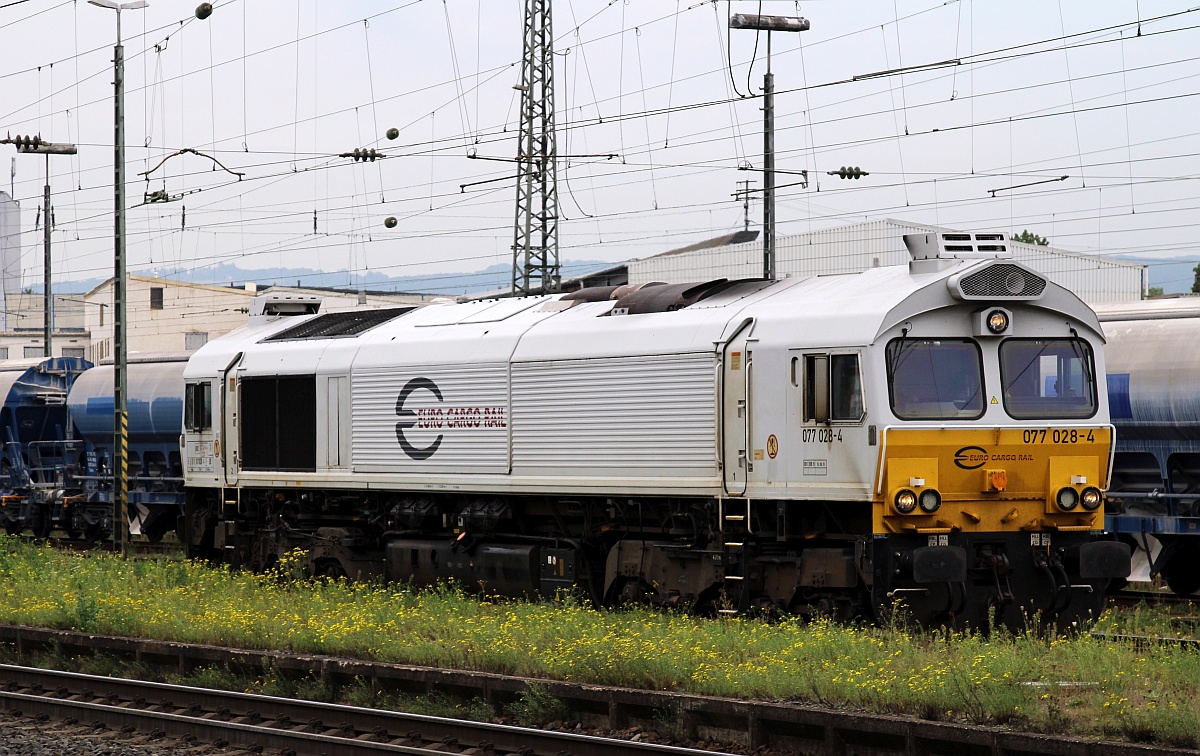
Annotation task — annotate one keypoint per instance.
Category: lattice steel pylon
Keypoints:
(535, 242)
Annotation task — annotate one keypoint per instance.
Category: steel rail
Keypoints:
(219, 732)
(271, 722)
(1147, 641)
(782, 726)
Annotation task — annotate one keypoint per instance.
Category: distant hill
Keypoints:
(487, 279)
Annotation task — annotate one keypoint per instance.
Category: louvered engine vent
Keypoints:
(334, 325)
(1001, 281)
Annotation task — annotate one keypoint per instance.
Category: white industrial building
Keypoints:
(10, 255)
(25, 333)
(850, 249)
(163, 315)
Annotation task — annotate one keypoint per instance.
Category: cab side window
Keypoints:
(197, 406)
(832, 388)
(845, 388)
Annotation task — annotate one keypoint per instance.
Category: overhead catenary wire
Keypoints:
(431, 151)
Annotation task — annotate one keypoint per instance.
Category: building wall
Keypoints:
(23, 344)
(850, 249)
(161, 313)
(175, 316)
(341, 301)
(24, 334)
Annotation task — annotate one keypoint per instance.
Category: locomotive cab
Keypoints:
(995, 454)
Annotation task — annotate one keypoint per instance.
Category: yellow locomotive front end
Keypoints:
(996, 525)
(936, 481)
(987, 504)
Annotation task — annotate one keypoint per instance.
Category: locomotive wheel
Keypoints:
(1182, 573)
(159, 528)
(330, 568)
(628, 591)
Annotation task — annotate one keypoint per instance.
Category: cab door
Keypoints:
(230, 450)
(737, 369)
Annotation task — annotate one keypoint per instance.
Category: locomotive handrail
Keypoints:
(1156, 494)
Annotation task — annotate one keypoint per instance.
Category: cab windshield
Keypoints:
(1047, 378)
(935, 379)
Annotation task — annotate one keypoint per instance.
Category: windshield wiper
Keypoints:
(1084, 362)
(894, 356)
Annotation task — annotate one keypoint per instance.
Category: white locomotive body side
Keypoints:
(672, 442)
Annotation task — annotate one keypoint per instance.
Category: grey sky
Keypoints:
(275, 90)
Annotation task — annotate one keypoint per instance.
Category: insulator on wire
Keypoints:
(851, 172)
(27, 143)
(361, 154)
(390, 221)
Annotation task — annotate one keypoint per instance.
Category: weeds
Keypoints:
(1077, 684)
(536, 707)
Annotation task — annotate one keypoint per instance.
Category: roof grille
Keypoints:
(335, 325)
(957, 245)
(999, 281)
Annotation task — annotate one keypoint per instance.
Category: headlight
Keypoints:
(906, 501)
(1091, 499)
(930, 501)
(997, 321)
(1068, 498)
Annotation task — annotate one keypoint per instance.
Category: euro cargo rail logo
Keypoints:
(971, 457)
(439, 418)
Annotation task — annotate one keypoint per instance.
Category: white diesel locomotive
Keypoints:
(934, 435)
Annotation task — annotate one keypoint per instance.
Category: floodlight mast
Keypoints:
(120, 467)
(768, 24)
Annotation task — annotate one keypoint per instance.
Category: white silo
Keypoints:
(10, 253)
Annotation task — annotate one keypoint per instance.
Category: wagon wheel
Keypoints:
(40, 521)
(79, 526)
(95, 532)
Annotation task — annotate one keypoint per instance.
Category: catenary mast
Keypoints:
(535, 242)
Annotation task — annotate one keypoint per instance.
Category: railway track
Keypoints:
(1153, 598)
(781, 727)
(1149, 641)
(136, 548)
(280, 725)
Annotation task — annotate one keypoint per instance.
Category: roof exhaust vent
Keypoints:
(957, 245)
(284, 304)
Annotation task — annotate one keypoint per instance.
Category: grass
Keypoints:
(1078, 685)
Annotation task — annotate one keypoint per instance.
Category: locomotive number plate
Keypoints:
(1059, 436)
